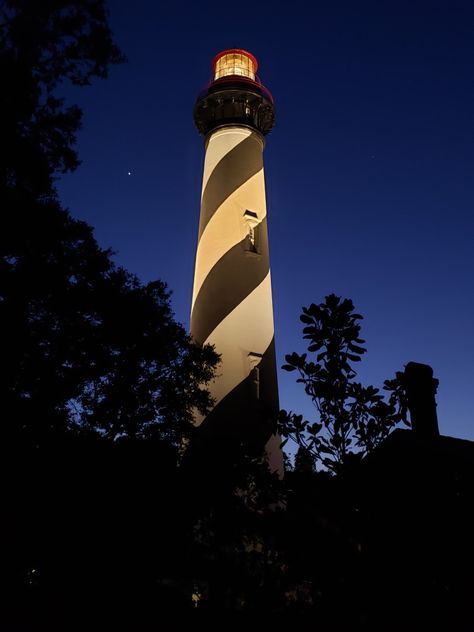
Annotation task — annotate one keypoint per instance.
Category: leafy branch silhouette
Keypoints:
(352, 419)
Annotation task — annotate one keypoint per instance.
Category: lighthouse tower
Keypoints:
(232, 295)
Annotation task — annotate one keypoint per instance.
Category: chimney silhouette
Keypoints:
(420, 388)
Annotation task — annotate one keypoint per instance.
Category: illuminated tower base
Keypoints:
(232, 296)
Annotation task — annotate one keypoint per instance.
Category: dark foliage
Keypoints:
(114, 531)
(353, 419)
(43, 44)
(234, 508)
(85, 346)
(96, 531)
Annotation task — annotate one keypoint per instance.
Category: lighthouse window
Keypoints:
(234, 64)
(255, 359)
(252, 224)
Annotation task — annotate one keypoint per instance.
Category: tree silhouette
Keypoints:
(43, 44)
(85, 345)
(353, 419)
(91, 358)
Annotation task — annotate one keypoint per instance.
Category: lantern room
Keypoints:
(234, 62)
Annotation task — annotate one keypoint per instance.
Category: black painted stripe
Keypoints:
(234, 169)
(235, 276)
(240, 415)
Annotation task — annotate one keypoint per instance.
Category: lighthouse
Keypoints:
(232, 294)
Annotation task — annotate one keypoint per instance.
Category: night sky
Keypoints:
(369, 168)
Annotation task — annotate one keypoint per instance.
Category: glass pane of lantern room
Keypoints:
(234, 64)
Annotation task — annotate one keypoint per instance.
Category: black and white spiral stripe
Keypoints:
(232, 298)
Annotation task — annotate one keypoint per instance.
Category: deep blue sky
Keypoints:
(370, 186)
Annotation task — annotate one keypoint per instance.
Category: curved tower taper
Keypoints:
(232, 296)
